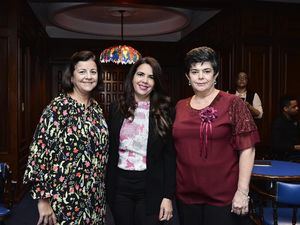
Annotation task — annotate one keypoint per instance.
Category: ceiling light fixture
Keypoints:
(123, 54)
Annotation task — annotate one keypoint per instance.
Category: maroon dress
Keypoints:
(207, 142)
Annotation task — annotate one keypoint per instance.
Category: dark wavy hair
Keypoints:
(66, 83)
(160, 103)
(201, 55)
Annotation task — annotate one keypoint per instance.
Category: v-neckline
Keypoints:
(210, 105)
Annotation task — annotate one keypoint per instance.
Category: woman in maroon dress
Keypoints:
(214, 135)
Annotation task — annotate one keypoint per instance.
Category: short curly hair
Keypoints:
(201, 55)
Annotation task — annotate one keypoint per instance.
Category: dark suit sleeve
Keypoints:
(170, 163)
(275, 135)
(278, 142)
(111, 110)
(112, 155)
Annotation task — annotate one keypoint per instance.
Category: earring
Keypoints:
(215, 82)
(190, 83)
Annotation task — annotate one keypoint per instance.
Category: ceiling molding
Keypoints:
(81, 20)
(145, 20)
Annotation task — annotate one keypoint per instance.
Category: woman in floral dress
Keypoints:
(68, 155)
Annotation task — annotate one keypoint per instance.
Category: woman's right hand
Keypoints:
(47, 216)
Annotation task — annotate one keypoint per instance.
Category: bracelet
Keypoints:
(244, 193)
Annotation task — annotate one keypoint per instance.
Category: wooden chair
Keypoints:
(276, 206)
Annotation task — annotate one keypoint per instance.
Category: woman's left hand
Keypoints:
(240, 203)
(166, 209)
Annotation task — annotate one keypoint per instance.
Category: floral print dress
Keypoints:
(68, 159)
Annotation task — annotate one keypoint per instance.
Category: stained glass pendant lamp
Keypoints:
(120, 54)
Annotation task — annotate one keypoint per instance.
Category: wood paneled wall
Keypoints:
(8, 77)
(113, 85)
(24, 78)
(260, 39)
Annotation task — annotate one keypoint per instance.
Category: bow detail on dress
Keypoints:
(207, 116)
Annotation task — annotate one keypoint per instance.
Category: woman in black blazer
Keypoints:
(141, 166)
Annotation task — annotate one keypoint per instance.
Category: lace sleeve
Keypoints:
(244, 130)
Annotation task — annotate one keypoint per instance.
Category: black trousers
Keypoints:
(129, 205)
(201, 214)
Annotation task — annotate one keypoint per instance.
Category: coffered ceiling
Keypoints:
(147, 20)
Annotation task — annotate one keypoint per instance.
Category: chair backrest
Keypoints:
(3, 169)
(4, 180)
(4, 173)
(276, 204)
(288, 193)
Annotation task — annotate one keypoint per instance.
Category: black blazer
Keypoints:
(161, 162)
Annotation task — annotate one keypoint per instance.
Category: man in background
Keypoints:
(285, 135)
(251, 98)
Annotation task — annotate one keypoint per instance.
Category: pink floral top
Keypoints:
(134, 139)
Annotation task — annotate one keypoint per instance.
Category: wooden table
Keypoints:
(265, 174)
(274, 170)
